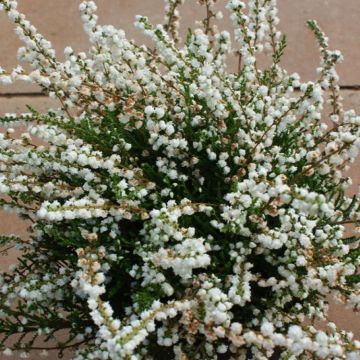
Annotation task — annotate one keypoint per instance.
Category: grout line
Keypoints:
(41, 94)
(22, 94)
(350, 87)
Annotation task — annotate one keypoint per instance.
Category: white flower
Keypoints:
(267, 329)
(7, 352)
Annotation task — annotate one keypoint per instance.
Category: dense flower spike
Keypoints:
(179, 209)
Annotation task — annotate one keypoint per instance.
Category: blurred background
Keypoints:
(59, 22)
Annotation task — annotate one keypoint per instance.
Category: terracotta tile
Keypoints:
(339, 20)
(19, 105)
(59, 21)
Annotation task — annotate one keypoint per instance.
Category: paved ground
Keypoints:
(59, 22)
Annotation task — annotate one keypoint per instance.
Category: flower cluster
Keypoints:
(178, 208)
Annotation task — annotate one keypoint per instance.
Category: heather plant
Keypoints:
(179, 209)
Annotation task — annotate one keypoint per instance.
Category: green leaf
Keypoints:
(350, 208)
(353, 279)
(145, 297)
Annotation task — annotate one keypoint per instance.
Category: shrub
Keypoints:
(180, 210)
